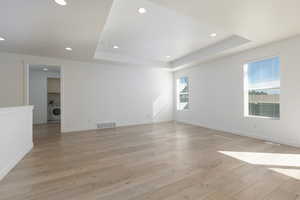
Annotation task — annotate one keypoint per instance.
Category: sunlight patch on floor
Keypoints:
(285, 164)
(273, 159)
(293, 173)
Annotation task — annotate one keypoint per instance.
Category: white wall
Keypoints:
(126, 95)
(38, 94)
(93, 93)
(16, 136)
(115, 94)
(216, 95)
(11, 82)
(131, 95)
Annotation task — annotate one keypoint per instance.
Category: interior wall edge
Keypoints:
(245, 133)
(10, 165)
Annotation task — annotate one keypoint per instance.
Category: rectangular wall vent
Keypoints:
(106, 125)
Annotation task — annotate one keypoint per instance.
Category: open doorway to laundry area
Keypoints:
(44, 93)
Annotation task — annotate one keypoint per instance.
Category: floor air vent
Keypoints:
(272, 143)
(106, 125)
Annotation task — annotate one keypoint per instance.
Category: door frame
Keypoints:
(26, 66)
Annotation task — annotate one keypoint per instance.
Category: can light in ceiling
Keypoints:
(213, 35)
(69, 49)
(168, 57)
(2, 38)
(116, 47)
(142, 10)
(61, 2)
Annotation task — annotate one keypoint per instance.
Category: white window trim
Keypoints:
(246, 88)
(178, 94)
(261, 117)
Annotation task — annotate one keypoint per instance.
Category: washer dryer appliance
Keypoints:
(54, 113)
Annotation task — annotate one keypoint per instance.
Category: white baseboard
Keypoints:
(251, 135)
(118, 126)
(14, 161)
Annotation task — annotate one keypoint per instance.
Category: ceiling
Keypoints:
(152, 36)
(45, 68)
(44, 28)
(175, 28)
(261, 21)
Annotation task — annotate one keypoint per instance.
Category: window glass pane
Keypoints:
(185, 106)
(183, 86)
(263, 88)
(184, 98)
(264, 102)
(182, 93)
(264, 74)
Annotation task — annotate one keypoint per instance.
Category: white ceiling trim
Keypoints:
(208, 52)
(156, 37)
(122, 58)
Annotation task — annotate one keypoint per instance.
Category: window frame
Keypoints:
(178, 94)
(246, 88)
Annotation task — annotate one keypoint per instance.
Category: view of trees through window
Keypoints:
(262, 81)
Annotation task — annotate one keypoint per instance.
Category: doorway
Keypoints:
(44, 93)
(53, 103)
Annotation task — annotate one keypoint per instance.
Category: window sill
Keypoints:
(261, 117)
(185, 110)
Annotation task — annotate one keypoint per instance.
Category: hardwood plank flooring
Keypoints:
(166, 161)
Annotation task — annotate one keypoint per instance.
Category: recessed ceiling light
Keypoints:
(69, 49)
(45, 69)
(2, 39)
(213, 35)
(168, 56)
(115, 47)
(142, 10)
(61, 2)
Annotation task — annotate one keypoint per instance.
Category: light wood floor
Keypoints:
(166, 161)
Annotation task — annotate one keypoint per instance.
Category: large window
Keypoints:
(183, 93)
(262, 88)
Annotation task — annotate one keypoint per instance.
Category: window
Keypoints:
(183, 93)
(262, 88)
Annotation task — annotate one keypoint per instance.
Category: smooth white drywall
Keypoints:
(38, 94)
(216, 95)
(94, 93)
(11, 82)
(127, 96)
(16, 136)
